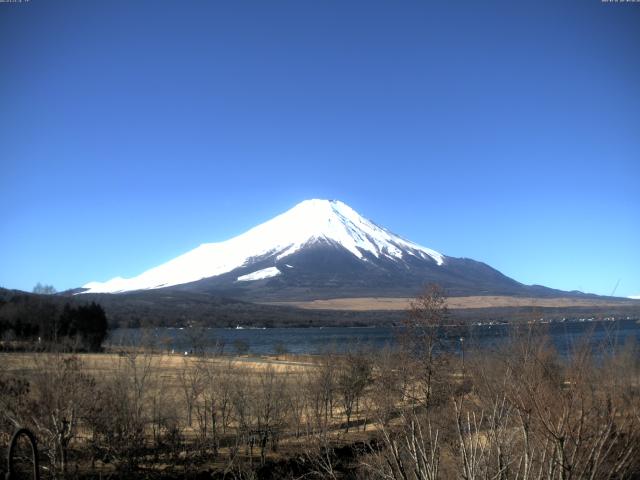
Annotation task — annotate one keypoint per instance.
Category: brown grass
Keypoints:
(493, 301)
(103, 363)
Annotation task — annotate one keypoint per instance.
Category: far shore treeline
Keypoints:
(46, 320)
(39, 315)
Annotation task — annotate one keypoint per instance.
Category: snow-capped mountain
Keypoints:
(308, 223)
(317, 249)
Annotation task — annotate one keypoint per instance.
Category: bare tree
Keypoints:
(424, 340)
(388, 389)
(191, 379)
(298, 401)
(120, 410)
(354, 375)
(411, 451)
(270, 408)
(215, 404)
(320, 385)
(62, 396)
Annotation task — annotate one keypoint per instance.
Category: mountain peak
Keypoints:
(309, 222)
(336, 222)
(318, 207)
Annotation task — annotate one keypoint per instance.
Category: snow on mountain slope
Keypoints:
(260, 274)
(308, 222)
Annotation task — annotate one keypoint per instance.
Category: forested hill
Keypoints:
(180, 308)
(166, 308)
(49, 319)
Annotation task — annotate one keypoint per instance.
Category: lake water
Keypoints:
(564, 335)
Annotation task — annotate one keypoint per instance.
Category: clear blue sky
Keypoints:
(507, 132)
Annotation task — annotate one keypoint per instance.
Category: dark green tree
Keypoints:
(86, 322)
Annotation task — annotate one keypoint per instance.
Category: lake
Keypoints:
(564, 335)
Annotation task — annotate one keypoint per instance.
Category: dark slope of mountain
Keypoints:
(325, 270)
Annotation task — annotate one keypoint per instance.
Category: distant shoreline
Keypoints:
(363, 304)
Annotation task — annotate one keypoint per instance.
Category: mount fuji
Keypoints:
(319, 249)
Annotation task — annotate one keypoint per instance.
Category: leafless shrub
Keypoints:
(320, 387)
(122, 409)
(388, 391)
(191, 380)
(532, 415)
(410, 450)
(270, 400)
(353, 376)
(424, 344)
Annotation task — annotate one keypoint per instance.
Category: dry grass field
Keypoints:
(378, 303)
(224, 413)
(163, 364)
(146, 414)
(152, 432)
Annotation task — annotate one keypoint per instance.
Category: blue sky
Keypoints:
(507, 132)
